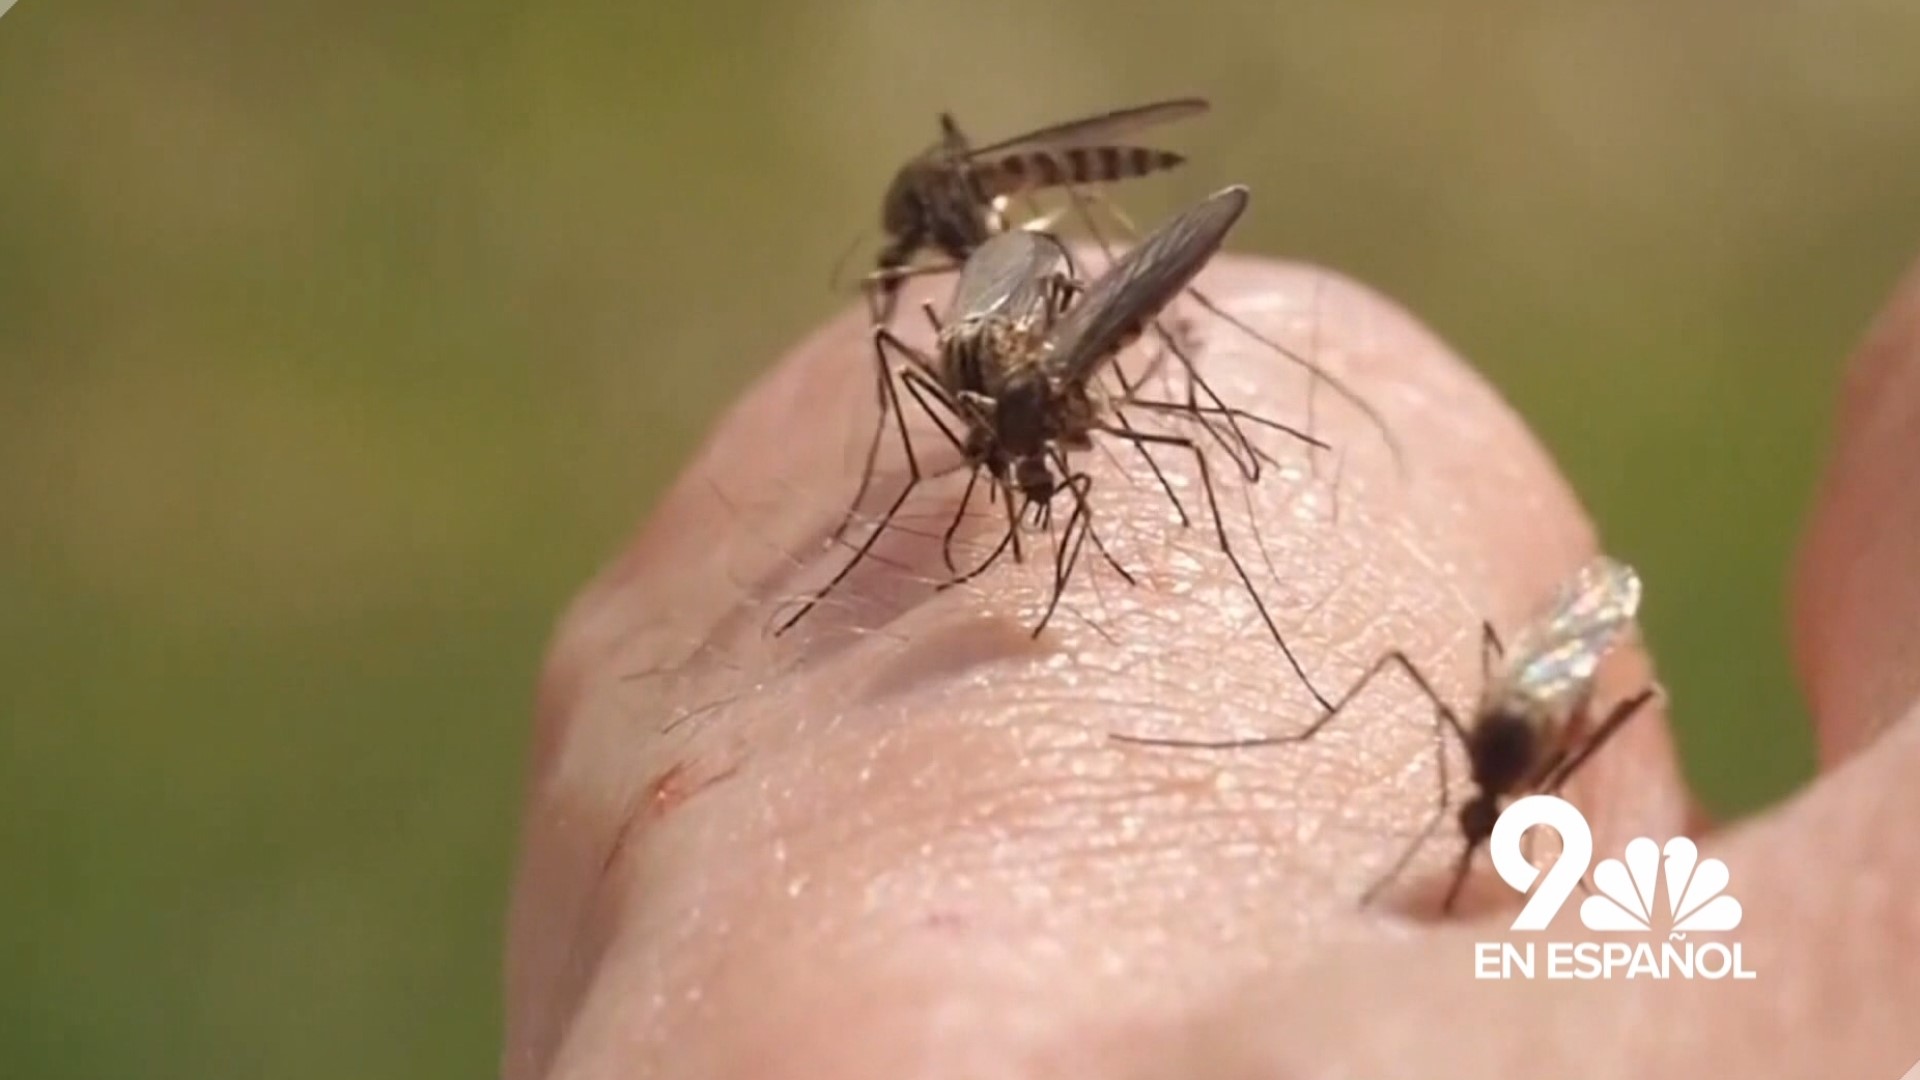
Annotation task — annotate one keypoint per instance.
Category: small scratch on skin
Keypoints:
(663, 795)
(949, 922)
(672, 788)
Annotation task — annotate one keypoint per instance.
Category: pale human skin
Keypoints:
(899, 842)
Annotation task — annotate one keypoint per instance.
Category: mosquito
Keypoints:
(952, 197)
(1017, 357)
(1531, 729)
(1008, 296)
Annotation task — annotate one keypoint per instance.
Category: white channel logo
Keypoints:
(1622, 901)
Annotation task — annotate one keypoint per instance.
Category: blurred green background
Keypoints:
(339, 343)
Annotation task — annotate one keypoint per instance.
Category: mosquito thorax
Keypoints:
(955, 212)
(1024, 413)
(983, 355)
(968, 348)
(931, 204)
(1503, 748)
(906, 209)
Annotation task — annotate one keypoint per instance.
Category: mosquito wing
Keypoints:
(1009, 275)
(1077, 153)
(1551, 662)
(1093, 130)
(1140, 284)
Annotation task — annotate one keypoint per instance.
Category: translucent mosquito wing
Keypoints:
(1142, 282)
(1551, 662)
(1094, 130)
(1009, 274)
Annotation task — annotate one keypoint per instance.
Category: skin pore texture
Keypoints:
(899, 842)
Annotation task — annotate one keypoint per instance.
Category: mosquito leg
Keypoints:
(1040, 222)
(922, 386)
(871, 460)
(953, 527)
(1006, 538)
(1226, 546)
(1065, 286)
(1317, 373)
(1490, 650)
(1066, 556)
(894, 275)
(882, 287)
(1259, 539)
(1037, 220)
(1079, 530)
(1094, 198)
(1082, 199)
(888, 279)
(1158, 474)
(1099, 545)
(1561, 771)
(1616, 719)
(1013, 523)
(1196, 384)
(883, 380)
(1395, 659)
(866, 546)
(933, 317)
(1461, 868)
(1441, 805)
(1081, 485)
(1313, 383)
(1239, 414)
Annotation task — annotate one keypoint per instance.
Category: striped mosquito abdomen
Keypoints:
(945, 199)
(1078, 165)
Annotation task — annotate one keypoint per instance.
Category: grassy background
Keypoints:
(339, 342)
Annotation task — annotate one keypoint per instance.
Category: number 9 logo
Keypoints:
(1576, 852)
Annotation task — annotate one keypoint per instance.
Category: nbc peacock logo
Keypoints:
(1696, 890)
(1623, 899)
